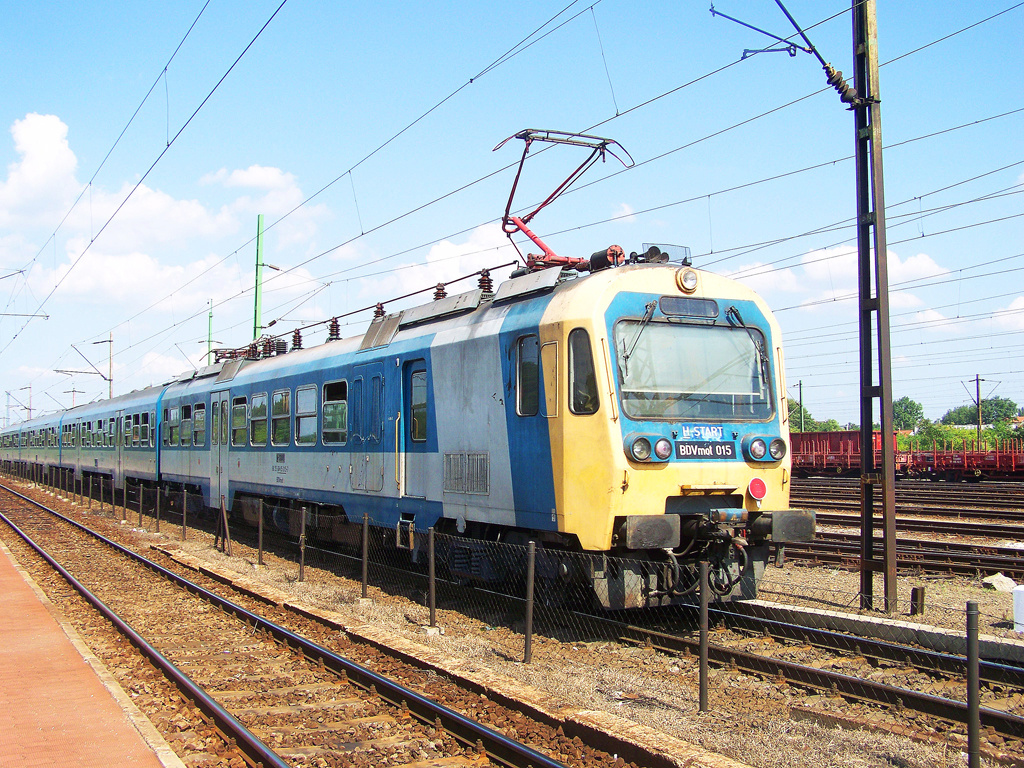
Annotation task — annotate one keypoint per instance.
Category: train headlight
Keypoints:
(777, 448)
(663, 449)
(686, 279)
(757, 448)
(641, 449)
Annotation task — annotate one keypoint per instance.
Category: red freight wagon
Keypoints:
(835, 453)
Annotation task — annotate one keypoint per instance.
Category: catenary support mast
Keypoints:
(874, 314)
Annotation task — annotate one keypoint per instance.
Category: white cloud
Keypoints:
(624, 213)
(1011, 318)
(486, 246)
(41, 184)
(281, 194)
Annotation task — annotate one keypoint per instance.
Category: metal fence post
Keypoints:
(124, 500)
(703, 669)
(157, 510)
(531, 556)
(260, 561)
(223, 526)
(366, 551)
(973, 689)
(141, 488)
(184, 512)
(302, 546)
(431, 583)
(916, 601)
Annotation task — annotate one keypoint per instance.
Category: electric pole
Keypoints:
(871, 227)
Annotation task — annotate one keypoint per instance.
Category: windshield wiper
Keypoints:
(648, 314)
(732, 313)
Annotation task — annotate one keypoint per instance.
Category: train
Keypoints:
(628, 416)
(838, 453)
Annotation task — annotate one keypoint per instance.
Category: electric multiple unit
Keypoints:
(636, 414)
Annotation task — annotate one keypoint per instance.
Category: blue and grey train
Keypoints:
(637, 414)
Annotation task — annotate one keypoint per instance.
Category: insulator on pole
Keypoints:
(847, 93)
(296, 339)
(440, 292)
(378, 311)
(333, 330)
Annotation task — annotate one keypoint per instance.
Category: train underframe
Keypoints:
(490, 555)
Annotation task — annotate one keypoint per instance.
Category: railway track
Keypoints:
(1006, 531)
(796, 661)
(997, 501)
(277, 697)
(862, 669)
(932, 557)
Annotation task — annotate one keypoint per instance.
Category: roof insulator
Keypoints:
(252, 352)
(333, 330)
(486, 283)
(440, 292)
(378, 311)
(296, 339)
(268, 347)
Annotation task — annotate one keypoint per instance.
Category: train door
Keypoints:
(414, 429)
(119, 453)
(367, 399)
(220, 405)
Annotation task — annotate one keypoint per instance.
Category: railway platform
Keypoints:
(58, 710)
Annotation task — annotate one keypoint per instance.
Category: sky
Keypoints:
(142, 140)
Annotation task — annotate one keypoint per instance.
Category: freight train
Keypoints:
(838, 453)
(633, 410)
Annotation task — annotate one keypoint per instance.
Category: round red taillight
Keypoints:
(757, 489)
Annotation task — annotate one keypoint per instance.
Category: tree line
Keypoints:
(956, 425)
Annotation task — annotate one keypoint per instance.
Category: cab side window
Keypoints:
(582, 377)
(527, 376)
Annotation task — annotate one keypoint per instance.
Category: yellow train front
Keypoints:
(667, 423)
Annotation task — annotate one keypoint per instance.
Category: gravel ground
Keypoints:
(945, 597)
(749, 719)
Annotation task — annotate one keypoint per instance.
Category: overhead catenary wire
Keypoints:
(384, 259)
(149, 170)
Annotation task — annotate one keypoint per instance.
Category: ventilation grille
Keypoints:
(467, 473)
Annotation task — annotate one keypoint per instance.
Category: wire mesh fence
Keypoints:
(575, 597)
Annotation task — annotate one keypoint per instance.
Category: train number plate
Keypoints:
(705, 449)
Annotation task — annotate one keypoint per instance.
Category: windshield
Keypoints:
(681, 371)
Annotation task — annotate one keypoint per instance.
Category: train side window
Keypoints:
(111, 428)
(335, 429)
(185, 428)
(305, 415)
(258, 420)
(418, 406)
(174, 425)
(224, 422)
(152, 428)
(281, 426)
(199, 425)
(582, 377)
(528, 376)
(357, 409)
(126, 431)
(215, 426)
(239, 425)
(376, 429)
